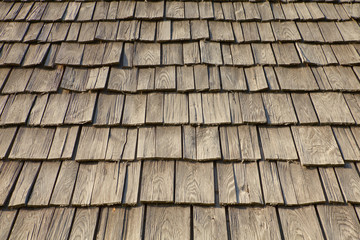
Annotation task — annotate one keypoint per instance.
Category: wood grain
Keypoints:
(157, 181)
(9, 171)
(84, 223)
(230, 143)
(252, 108)
(176, 108)
(60, 224)
(232, 78)
(84, 184)
(134, 110)
(254, 223)
(167, 223)
(83, 101)
(349, 181)
(194, 183)
(279, 108)
(209, 223)
(168, 142)
(92, 143)
(304, 108)
(316, 146)
(207, 143)
(216, 109)
(271, 185)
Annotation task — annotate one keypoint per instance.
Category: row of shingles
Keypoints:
(178, 54)
(331, 145)
(195, 78)
(239, 32)
(69, 183)
(176, 10)
(108, 109)
(188, 222)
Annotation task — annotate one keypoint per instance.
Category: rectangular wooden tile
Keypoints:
(279, 108)
(252, 108)
(271, 185)
(331, 186)
(207, 143)
(233, 78)
(296, 78)
(349, 181)
(209, 222)
(9, 172)
(84, 224)
(230, 143)
(176, 108)
(304, 108)
(134, 110)
(194, 183)
(168, 142)
(109, 109)
(316, 146)
(216, 108)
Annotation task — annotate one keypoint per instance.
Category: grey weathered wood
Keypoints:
(146, 79)
(134, 110)
(265, 32)
(331, 108)
(349, 30)
(339, 222)
(167, 223)
(109, 183)
(209, 223)
(17, 109)
(60, 224)
(311, 53)
(149, 10)
(45, 80)
(58, 32)
(92, 143)
(180, 30)
(7, 218)
(242, 54)
(9, 172)
(206, 10)
(300, 222)
(252, 108)
(165, 78)
(84, 184)
(230, 143)
(124, 80)
(201, 77)
(147, 54)
(221, 31)
(163, 31)
(70, 54)
(226, 51)
(38, 109)
(232, 78)
(349, 181)
(214, 78)
(300, 185)
(168, 142)
(108, 217)
(239, 11)
(285, 54)
(199, 29)
(155, 108)
(195, 109)
(125, 10)
(118, 139)
(157, 181)
(330, 32)
(250, 30)
(112, 53)
(101, 10)
(50, 59)
(246, 223)
(35, 54)
(191, 10)
(270, 183)
(130, 146)
(316, 146)
(347, 143)
(132, 183)
(73, 31)
(249, 143)
(93, 54)
(147, 31)
(271, 78)
(277, 11)
(13, 31)
(55, 110)
(218, 12)
(346, 54)
(71, 11)
(65, 183)
(32, 224)
(194, 183)
(109, 109)
(207, 143)
(235, 109)
(263, 53)
(176, 108)
(25, 181)
(54, 11)
(97, 78)
(191, 53)
(304, 108)
(285, 31)
(310, 31)
(236, 186)
(189, 143)
(83, 101)
(44, 184)
(84, 224)
(341, 78)
(277, 143)
(216, 109)
(330, 185)
(210, 53)
(175, 10)
(279, 108)
(13, 54)
(32, 143)
(256, 78)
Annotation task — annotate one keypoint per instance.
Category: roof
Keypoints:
(179, 120)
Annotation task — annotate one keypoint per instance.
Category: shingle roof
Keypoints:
(179, 119)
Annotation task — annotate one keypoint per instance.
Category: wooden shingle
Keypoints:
(279, 108)
(17, 109)
(83, 101)
(300, 78)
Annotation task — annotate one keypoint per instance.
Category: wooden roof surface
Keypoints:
(180, 119)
